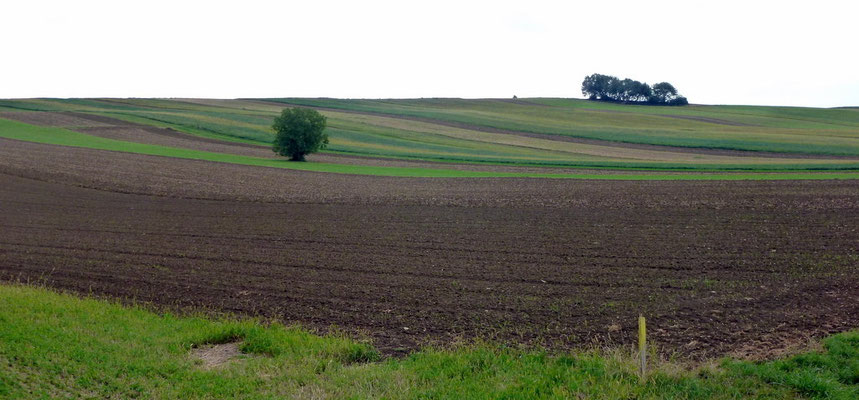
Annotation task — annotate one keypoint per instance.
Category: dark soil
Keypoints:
(715, 266)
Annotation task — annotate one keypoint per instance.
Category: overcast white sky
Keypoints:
(718, 52)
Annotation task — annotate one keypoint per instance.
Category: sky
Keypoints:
(801, 53)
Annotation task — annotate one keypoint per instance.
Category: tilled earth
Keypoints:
(718, 267)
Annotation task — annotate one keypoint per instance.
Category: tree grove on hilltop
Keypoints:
(610, 88)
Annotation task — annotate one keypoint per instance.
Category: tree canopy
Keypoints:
(298, 132)
(611, 88)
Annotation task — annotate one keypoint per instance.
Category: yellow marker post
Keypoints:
(642, 346)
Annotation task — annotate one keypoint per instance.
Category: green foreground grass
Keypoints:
(56, 345)
(58, 136)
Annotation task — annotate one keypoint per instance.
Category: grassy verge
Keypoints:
(58, 345)
(57, 136)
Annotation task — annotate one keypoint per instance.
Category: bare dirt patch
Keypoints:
(214, 356)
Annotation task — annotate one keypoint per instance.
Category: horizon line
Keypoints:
(416, 98)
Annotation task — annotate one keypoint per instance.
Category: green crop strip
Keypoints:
(63, 137)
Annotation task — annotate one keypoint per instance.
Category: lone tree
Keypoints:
(299, 132)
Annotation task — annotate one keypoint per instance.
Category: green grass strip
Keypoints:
(58, 136)
(56, 345)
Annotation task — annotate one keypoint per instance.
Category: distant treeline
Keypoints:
(611, 88)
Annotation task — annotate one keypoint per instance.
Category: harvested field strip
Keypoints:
(558, 275)
(48, 135)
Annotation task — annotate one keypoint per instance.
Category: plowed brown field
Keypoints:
(718, 267)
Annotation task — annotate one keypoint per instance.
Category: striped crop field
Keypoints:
(541, 132)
